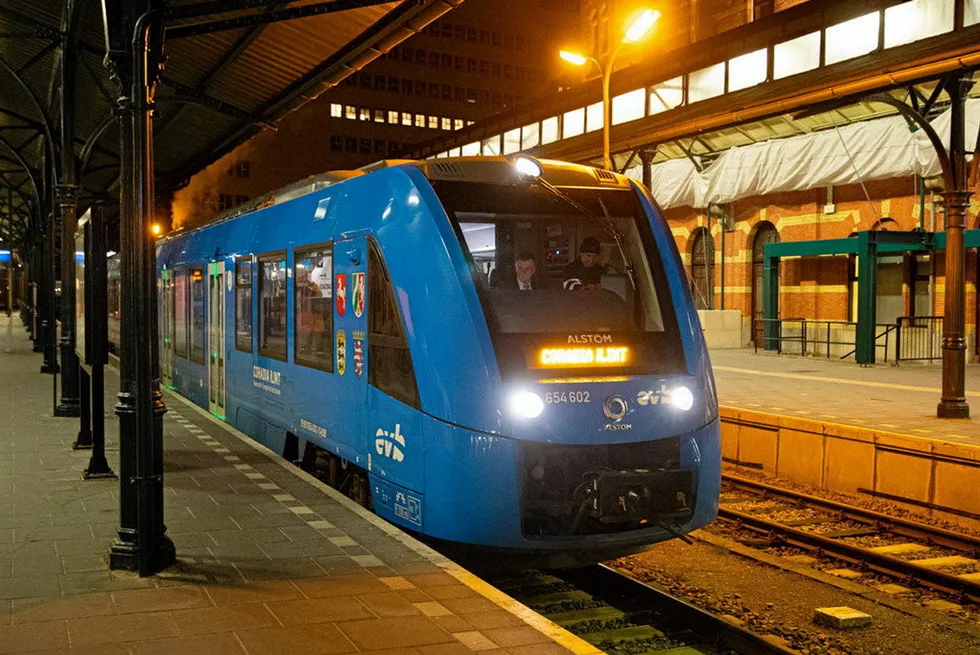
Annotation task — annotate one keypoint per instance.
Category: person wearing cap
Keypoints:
(585, 272)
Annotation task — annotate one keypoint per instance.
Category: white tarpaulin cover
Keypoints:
(871, 150)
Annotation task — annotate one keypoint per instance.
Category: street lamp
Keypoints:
(637, 30)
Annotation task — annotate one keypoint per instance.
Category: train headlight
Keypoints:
(682, 398)
(526, 404)
(527, 166)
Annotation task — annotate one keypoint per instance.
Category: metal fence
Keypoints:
(821, 338)
(919, 338)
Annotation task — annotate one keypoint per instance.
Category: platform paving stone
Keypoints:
(268, 560)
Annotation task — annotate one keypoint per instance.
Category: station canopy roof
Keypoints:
(844, 144)
(218, 88)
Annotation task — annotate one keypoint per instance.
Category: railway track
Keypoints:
(861, 538)
(620, 614)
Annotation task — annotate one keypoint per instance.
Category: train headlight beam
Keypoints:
(526, 404)
(682, 398)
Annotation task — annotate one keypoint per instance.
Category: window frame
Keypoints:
(298, 253)
(250, 260)
(191, 355)
(182, 319)
(386, 341)
(260, 259)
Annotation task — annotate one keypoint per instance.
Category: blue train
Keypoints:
(491, 351)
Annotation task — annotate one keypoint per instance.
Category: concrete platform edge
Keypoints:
(929, 474)
(499, 598)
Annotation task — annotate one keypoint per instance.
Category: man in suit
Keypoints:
(524, 267)
(520, 277)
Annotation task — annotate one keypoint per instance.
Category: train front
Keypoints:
(609, 436)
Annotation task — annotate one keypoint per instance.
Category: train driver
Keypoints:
(585, 272)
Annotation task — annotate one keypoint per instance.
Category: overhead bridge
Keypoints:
(799, 58)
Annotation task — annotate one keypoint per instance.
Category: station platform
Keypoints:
(861, 430)
(269, 559)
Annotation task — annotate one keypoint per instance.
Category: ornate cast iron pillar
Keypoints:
(143, 544)
(67, 198)
(955, 201)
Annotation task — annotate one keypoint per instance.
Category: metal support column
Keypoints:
(143, 544)
(867, 293)
(67, 197)
(84, 439)
(955, 201)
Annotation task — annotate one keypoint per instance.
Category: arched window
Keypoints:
(703, 268)
(885, 225)
(765, 233)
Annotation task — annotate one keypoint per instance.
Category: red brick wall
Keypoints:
(817, 288)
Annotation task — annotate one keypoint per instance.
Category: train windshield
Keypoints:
(570, 278)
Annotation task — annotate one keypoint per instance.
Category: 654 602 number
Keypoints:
(566, 397)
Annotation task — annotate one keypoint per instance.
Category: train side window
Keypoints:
(389, 360)
(180, 312)
(243, 305)
(272, 306)
(313, 307)
(198, 319)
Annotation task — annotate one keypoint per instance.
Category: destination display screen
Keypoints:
(569, 357)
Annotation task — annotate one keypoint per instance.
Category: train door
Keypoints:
(167, 327)
(765, 234)
(216, 339)
(349, 326)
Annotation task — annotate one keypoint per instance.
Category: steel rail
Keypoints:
(905, 527)
(878, 562)
(604, 581)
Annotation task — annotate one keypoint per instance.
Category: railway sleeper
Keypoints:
(557, 598)
(576, 617)
(632, 633)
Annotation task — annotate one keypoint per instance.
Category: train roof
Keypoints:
(487, 170)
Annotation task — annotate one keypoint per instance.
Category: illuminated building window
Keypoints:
(573, 123)
(512, 141)
(852, 38)
(971, 12)
(406, 118)
(549, 130)
(919, 19)
(364, 114)
(336, 111)
(667, 95)
(433, 122)
(593, 117)
(796, 56)
(419, 120)
(393, 118)
(747, 70)
(706, 83)
(628, 106)
(491, 146)
(530, 136)
(468, 123)
(447, 123)
(379, 115)
(457, 123)
(350, 112)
